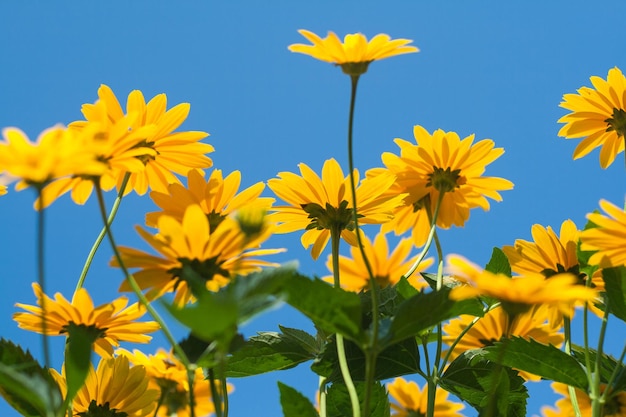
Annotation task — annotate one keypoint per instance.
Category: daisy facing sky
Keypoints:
(408, 400)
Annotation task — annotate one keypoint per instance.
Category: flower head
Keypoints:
(387, 268)
(213, 255)
(355, 52)
(318, 205)
(440, 166)
(599, 115)
(537, 323)
(113, 322)
(518, 294)
(608, 238)
(411, 400)
(615, 405)
(114, 389)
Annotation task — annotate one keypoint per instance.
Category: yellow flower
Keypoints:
(113, 388)
(168, 375)
(214, 255)
(411, 400)
(386, 268)
(114, 322)
(3, 189)
(518, 294)
(598, 115)
(218, 197)
(318, 204)
(58, 152)
(608, 238)
(614, 407)
(496, 324)
(436, 164)
(355, 49)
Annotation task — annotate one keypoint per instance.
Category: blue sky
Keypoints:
(496, 69)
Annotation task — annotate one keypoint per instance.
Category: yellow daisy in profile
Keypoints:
(599, 115)
(3, 189)
(218, 196)
(215, 255)
(614, 407)
(355, 49)
(387, 268)
(608, 238)
(518, 294)
(318, 204)
(172, 152)
(113, 389)
(440, 164)
(113, 322)
(58, 152)
(497, 324)
(168, 375)
(411, 400)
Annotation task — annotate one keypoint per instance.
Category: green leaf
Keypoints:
(546, 361)
(295, 404)
(24, 384)
(308, 342)
(405, 289)
(331, 309)
(396, 360)
(615, 287)
(448, 281)
(608, 364)
(338, 400)
(425, 310)
(266, 352)
(487, 386)
(499, 263)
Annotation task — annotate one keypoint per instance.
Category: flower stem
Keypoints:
(597, 399)
(567, 326)
(215, 396)
(96, 244)
(335, 234)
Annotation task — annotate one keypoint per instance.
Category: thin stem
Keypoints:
(98, 241)
(322, 396)
(616, 374)
(567, 326)
(215, 396)
(341, 350)
(597, 400)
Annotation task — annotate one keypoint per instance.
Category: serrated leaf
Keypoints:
(546, 361)
(485, 385)
(425, 310)
(266, 352)
(331, 309)
(338, 400)
(608, 364)
(306, 341)
(295, 404)
(615, 287)
(499, 263)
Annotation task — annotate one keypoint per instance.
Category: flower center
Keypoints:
(355, 68)
(146, 158)
(91, 331)
(214, 220)
(205, 269)
(617, 123)
(445, 180)
(101, 410)
(331, 217)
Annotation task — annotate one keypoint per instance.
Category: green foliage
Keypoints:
(405, 289)
(608, 366)
(25, 385)
(492, 389)
(546, 361)
(295, 404)
(615, 285)
(78, 356)
(499, 263)
(338, 401)
(583, 256)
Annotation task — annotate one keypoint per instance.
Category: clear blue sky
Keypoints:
(493, 68)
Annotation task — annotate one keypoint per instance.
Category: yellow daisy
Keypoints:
(217, 196)
(411, 400)
(215, 255)
(614, 407)
(172, 152)
(387, 268)
(114, 322)
(436, 164)
(113, 389)
(497, 324)
(168, 375)
(355, 49)
(58, 152)
(599, 115)
(608, 238)
(3, 189)
(519, 293)
(318, 204)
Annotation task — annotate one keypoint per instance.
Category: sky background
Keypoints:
(492, 68)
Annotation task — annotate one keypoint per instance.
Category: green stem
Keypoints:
(322, 396)
(96, 244)
(341, 350)
(142, 298)
(215, 395)
(567, 326)
(616, 374)
(597, 399)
